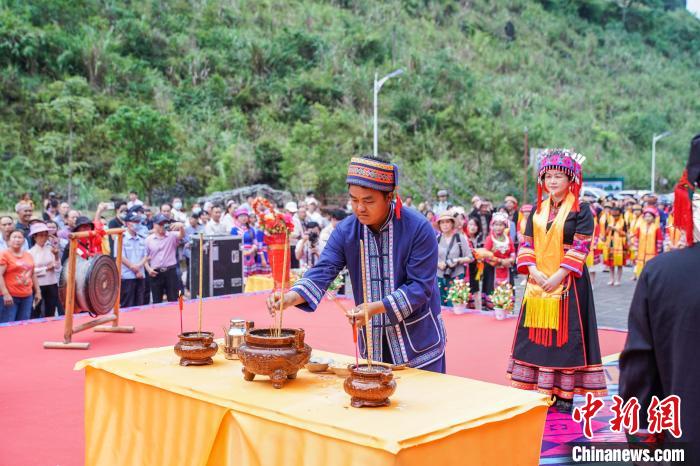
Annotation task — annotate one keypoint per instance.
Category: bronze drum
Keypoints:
(96, 284)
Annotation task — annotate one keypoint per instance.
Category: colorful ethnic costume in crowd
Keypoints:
(633, 220)
(522, 220)
(401, 267)
(260, 265)
(502, 249)
(556, 349)
(594, 259)
(250, 243)
(616, 241)
(648, 241)
(660, 355)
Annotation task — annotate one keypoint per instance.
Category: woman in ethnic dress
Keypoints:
(556, 348)
(501, 247)
(250, 243)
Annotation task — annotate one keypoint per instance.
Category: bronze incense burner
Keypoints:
(196, 348)
(369, 386)
(279, 356)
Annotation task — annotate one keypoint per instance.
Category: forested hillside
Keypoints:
(186, 97)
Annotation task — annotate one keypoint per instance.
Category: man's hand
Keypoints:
(441, 265)
(356, 315)
(275, 299)
(7, 299)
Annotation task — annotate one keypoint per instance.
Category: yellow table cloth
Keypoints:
(142, 408)
(258, 283)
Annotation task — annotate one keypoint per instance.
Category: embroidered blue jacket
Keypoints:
(401, 269)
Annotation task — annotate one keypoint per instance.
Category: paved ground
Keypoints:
(612, 303)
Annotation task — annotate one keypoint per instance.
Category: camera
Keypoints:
(313, 237)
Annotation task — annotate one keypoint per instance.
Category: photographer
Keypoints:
(308, 251)
(453, 253)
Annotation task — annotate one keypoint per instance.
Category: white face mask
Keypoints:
(177, 205)
(197, 210)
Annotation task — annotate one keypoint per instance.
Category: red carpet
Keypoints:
(41, 397)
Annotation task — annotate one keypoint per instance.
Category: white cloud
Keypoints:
(694, 7)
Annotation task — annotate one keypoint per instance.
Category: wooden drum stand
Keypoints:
(70, 298)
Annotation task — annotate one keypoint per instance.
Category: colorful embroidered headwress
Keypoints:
(526, 208)
(651, 210)
(563, 160)
(371, 173)
(683, 194)
(500, 217)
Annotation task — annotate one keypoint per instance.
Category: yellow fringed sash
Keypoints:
(542, 310)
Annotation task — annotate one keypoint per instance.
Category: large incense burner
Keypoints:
(277, 354)
(369, 386)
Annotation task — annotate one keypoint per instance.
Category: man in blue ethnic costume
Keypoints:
(400, 252)
(660, 353)
(556, 349)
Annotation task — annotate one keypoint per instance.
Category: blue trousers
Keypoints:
(20, 309)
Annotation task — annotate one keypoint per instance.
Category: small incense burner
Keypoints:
(279, 357)
(196, 348)
(369, 386)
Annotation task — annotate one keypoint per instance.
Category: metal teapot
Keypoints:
(234, 338)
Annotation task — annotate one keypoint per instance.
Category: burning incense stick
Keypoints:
(181, 304)
(201, 269)
(354, 326)
(284, 279)
(368, 324)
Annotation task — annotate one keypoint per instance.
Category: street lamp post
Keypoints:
(377, 86)
(656, 137)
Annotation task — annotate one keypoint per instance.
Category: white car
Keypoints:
(593, 192)
(636, 193)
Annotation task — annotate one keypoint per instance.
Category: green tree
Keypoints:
(70, 114)
(144, 143)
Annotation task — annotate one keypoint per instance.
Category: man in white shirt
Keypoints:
(337, 215)
(177, 213)
(229, 217)
(314, 213)
(442, 204)
(299, 219)
(215, 227)
(310, 198)
(133, 200)
(7, 226)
